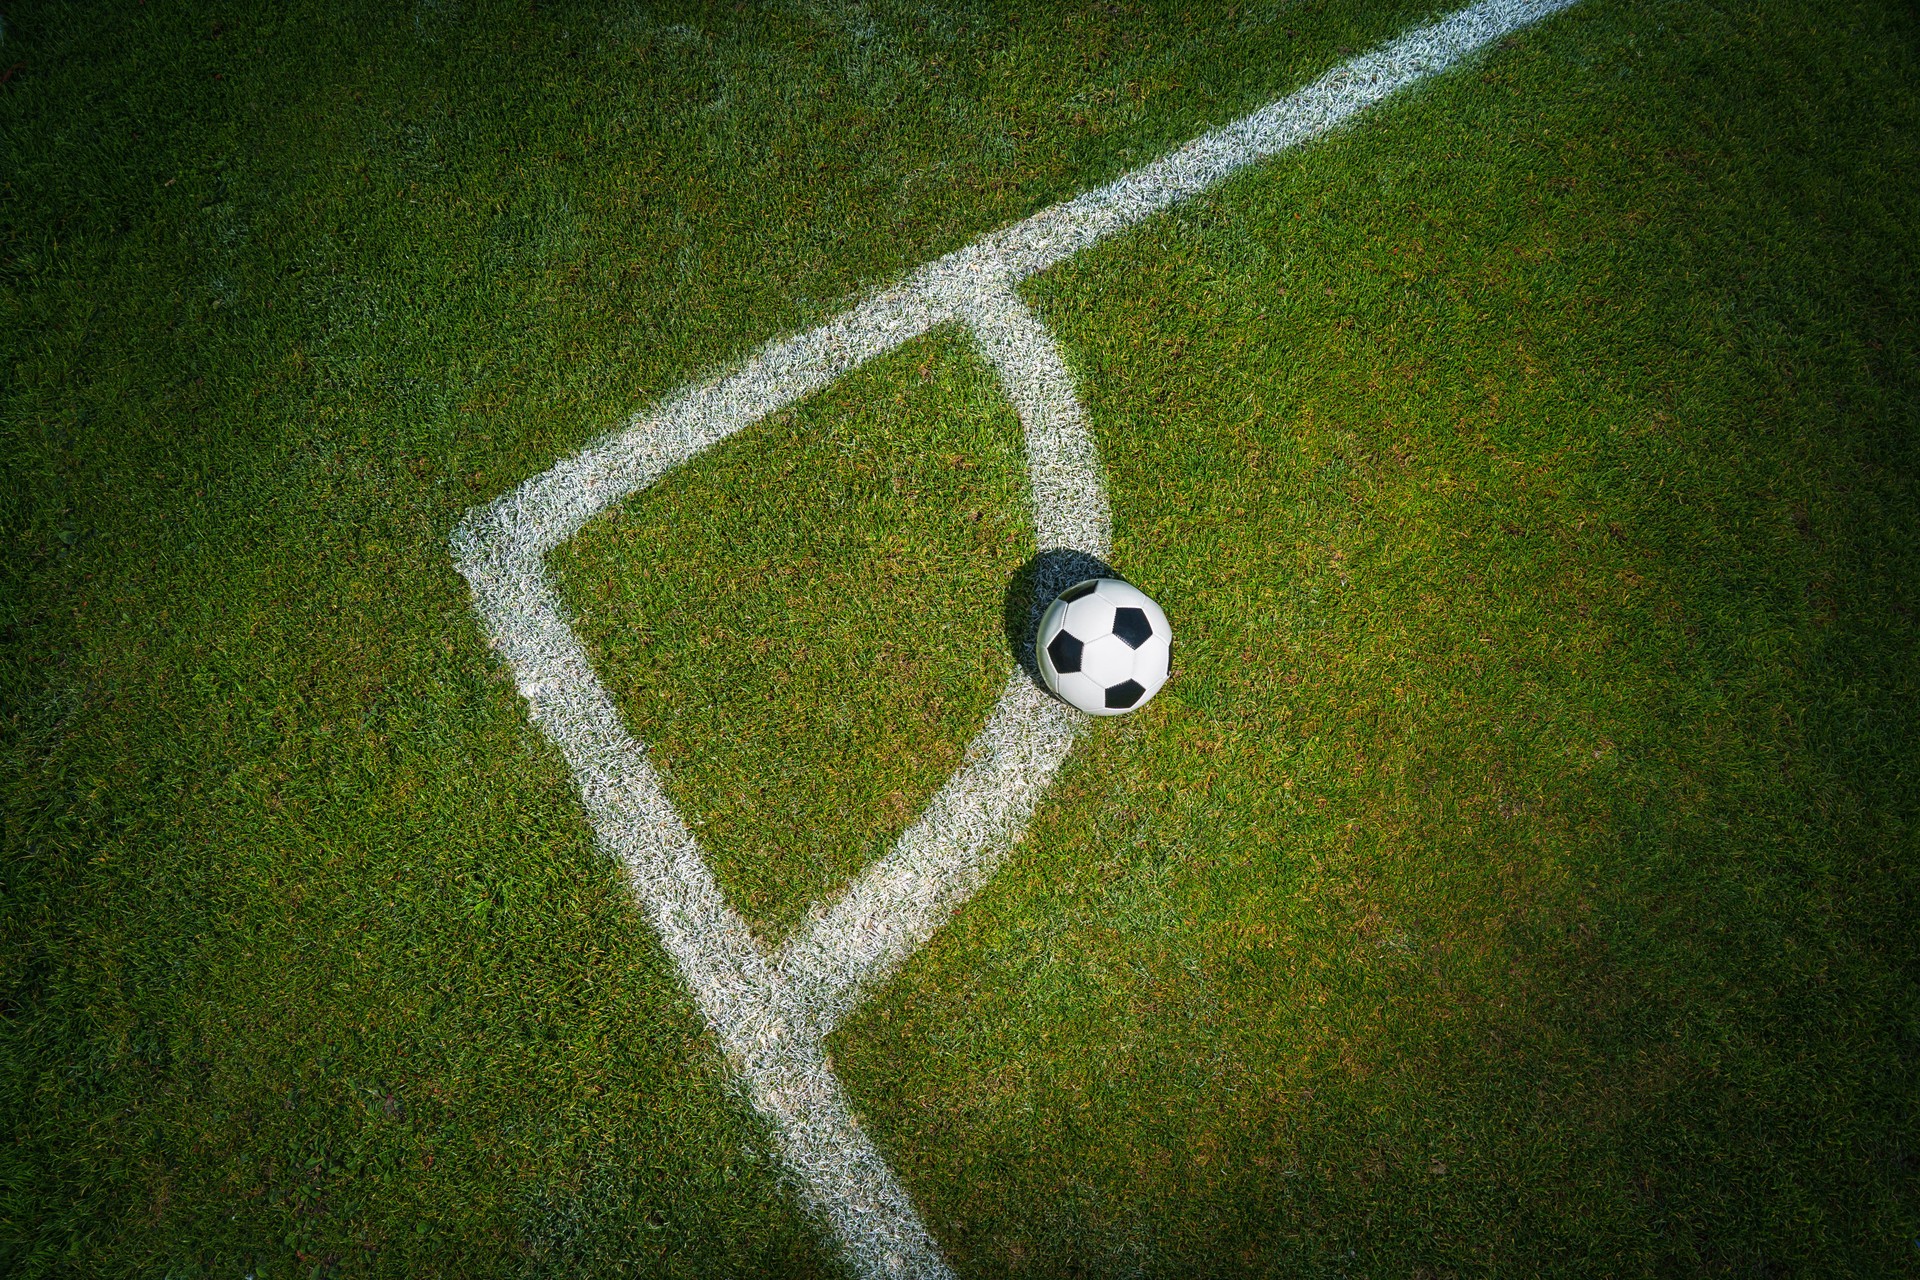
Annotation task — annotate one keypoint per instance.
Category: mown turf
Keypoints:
(807, 627)
(1518, 875)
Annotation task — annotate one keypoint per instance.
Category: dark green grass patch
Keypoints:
(1518, 875)
(806, 627)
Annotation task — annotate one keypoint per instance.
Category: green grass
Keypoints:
(807, 626)
(1518, 876)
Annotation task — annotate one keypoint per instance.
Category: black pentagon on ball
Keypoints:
(1132, 626)
(1065, 652)
(1079, 589)
(1124, 694)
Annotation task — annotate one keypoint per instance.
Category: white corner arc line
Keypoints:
(956, 845)
(772, 1015)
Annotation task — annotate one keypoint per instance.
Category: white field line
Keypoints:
(1063, 463)
(941, 860)
(771, 1016)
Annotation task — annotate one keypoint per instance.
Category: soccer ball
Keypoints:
(1104, 647)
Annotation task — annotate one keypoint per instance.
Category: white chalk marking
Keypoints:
(1069, 505)
(899, 902)
(940, 861)
(772, 1016)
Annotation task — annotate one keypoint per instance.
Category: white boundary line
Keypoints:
(772, 1015)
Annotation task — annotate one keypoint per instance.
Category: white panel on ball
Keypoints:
(1079, 691)
(1152, 661)
(1090, 617)
(1107, 661)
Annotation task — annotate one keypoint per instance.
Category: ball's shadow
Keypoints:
(1032, 589)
